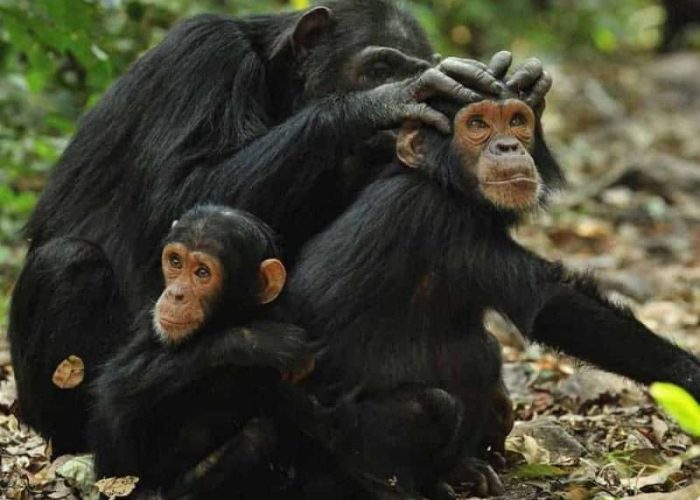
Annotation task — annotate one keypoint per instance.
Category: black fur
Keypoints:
(680, 15)
(224, 110)
(161, 410)
(396, 289)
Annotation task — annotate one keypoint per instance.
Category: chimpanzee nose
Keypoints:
(176, 294)
(504, 145)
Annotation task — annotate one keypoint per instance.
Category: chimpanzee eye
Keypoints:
(202, 272)
(378, 71)
(477, 123)
(518, 120)
(175, 261)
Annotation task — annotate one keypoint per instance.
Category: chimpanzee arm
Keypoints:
(146, 372)
(574, 316)
(272, 175)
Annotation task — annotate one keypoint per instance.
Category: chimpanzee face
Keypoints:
(492, 144)
(376, 65)
(495, 141)
(215, 270)
(359, 44)
(193, 282)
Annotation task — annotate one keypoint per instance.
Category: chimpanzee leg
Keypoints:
(673, 28)
(487, 420)
(65, 303)
(240, 468)
(397, 444)
(498, 424)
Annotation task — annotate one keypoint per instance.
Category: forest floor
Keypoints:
(628, 136)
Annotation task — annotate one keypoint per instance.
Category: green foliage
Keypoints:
(57, 57)
(581, 27)
(680, 405)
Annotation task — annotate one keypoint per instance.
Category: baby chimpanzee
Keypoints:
(191, 404)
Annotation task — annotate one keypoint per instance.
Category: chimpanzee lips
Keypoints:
(516, 179)
(166, 322)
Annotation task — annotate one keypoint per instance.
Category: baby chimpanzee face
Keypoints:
(218, 264)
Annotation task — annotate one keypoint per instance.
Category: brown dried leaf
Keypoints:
(117, 486)
(69, 373)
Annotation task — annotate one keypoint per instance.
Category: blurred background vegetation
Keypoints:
(58, 56)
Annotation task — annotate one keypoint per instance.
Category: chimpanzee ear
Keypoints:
(273, 275)
(312, 23)
(409, 144)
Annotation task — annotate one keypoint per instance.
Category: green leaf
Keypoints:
(679, 404)
(19, 35)
(529, 471)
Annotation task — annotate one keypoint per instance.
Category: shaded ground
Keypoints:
(628, 136)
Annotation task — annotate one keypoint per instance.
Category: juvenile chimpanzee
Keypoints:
(272, 114)
(397, 288)
(201, 376)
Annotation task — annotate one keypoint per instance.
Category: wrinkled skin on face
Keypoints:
(492, 144)
(495, 140)
(193, 282)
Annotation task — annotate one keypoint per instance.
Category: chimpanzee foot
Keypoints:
(442, 491)
(477, 476)
(496, 459)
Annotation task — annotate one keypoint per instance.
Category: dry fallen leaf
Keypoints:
(529, 448)
(117, 486)
(69, 373)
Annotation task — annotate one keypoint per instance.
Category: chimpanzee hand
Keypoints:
(530, 83)
(480, 477)
(265, 343)
(462, 80)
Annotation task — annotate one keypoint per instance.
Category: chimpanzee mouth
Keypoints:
(516, 179)
(166, 322)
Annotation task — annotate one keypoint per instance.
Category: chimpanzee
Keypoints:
(201, 376)
(397, 288)
(274, 114)
(680, 14)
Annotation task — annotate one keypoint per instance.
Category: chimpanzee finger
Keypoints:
(500, 63)
(483, 479)
(434, 81)
(496, 460)
(424, 113)
(494, 482)
(470, 73)
(536, 95)
(525, 75)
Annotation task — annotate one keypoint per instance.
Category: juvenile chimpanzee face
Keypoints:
(193, 281)
(219, 266)
(492, 145)
(495, 141)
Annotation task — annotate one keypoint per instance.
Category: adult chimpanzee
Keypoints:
(266, 113)
(202, 374)
(398, 285)
(680, 14)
